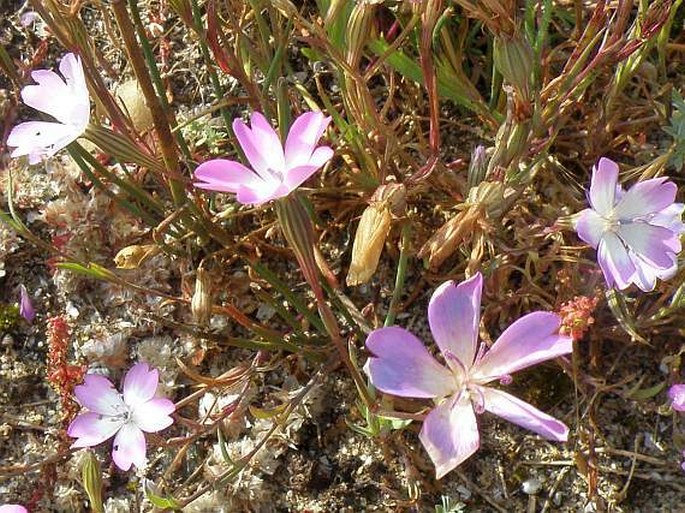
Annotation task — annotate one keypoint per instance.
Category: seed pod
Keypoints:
(387, 202)
(487, 199)
(201, 303)
(131, 257)
(131, 98)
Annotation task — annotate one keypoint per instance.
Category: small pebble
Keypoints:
(531, 486)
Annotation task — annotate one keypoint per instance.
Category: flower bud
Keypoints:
(91, 479)
(26, 309)
(514, 60)
(358, 31)
(297, 228)
(478, 166)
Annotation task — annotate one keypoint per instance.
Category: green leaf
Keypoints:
(165, 502)
(646, 393)
(91, 270)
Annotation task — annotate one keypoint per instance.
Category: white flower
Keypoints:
(65, 100)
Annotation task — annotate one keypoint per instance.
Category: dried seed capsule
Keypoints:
(387, 202)
(201, 303)
(131, 257)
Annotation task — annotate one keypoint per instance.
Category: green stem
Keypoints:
(154, 74)
(213, 77)
(159, 118)
(400, 276)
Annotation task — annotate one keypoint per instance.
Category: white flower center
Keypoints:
(611, 223)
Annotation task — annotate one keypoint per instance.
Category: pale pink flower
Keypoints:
(13, 508)
(66, 100)
(276, 171)
(677, 396)
(125, 415)
(401, 365)
(26, 309)
(636, 232)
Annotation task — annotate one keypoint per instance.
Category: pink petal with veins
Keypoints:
(450, 434)
(454, 315)
(401, 365)
(129, 447)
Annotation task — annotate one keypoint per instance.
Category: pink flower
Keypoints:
(636, 232)
(13, 508)
(26, 309)
(677, 396)
(276, 171)
(401, 365)
(65, 100)
(125, 415)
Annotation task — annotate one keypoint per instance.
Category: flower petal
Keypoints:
(140, 384)
(51, 95)
(603, 186)
(321, 156)
(91, 428)
(646, 198)
(677, 396)
(645, 274)
(614, 261)
(266, 191)
(40, 139)
(523, 414)
(13, 508)
(224, 176)
(590, 227)
(261, 145)
(99, 395)
(71, 69)
(304, 133)
(129, 447)
(450, 434)
(402, 366)
(671, 217)
(531, 339)
(153, 415)
(654, 244)
(68, 102)
(296, 176)
(454, 315)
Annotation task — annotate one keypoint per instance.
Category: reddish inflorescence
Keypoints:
(62, 375)
(576, 316)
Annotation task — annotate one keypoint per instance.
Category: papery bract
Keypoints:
(401, 365)
(276, 171)
(636, 232)
(66, 100)
(126, 415)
